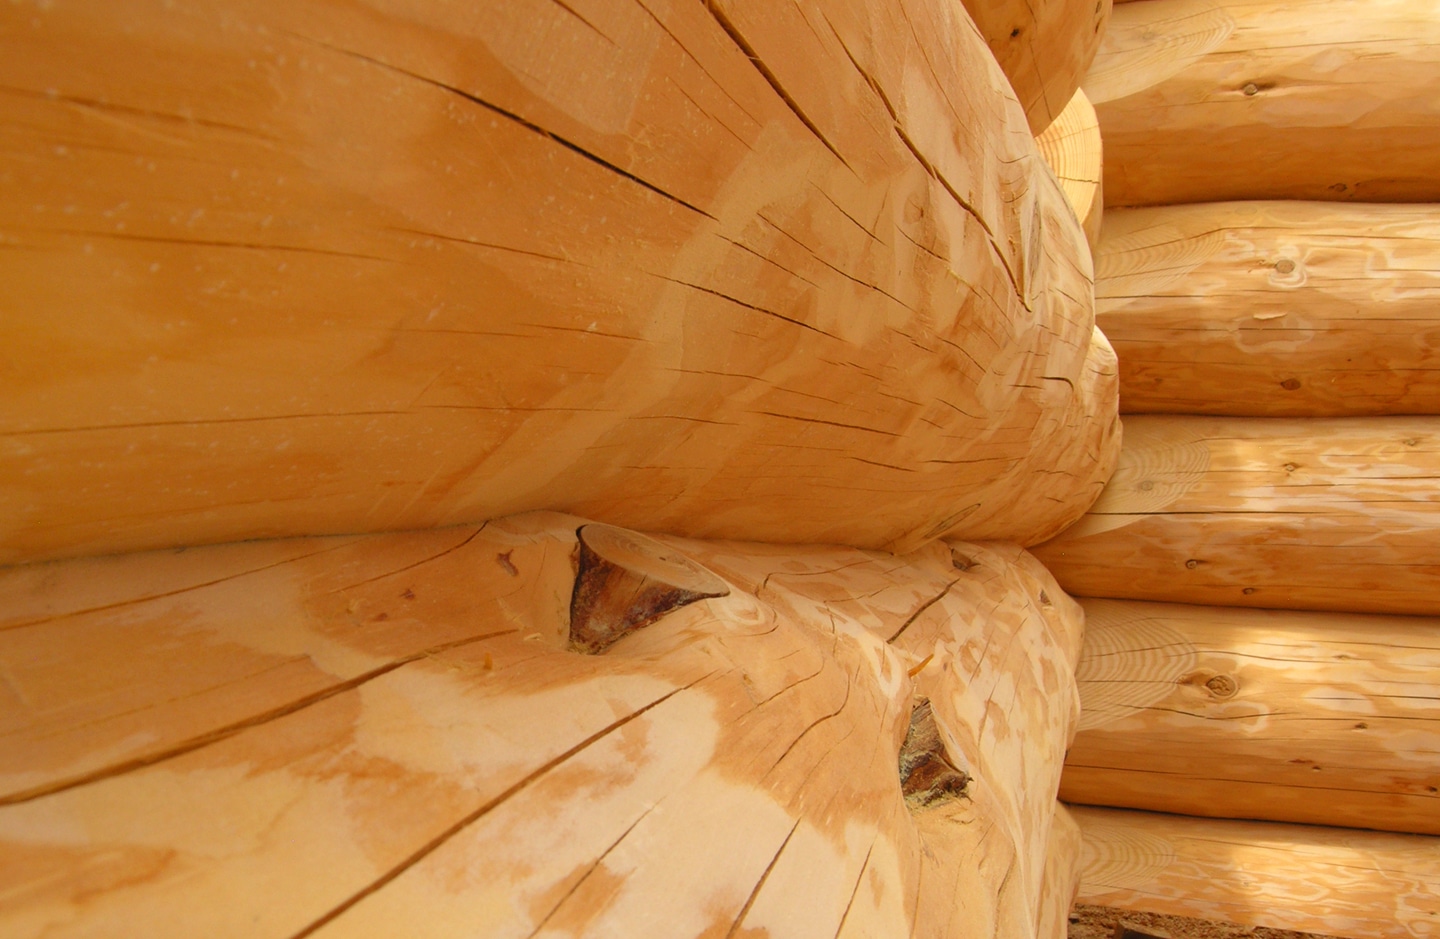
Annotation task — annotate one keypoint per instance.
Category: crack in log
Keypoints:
(229, 730)
(439, 840)
(923, 607)
(511, 116)
(750, 900)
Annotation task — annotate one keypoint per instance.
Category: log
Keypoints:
(1334, 514)
(1320, 718)
(1062, 875)
(1045, 47)
(728, 270)
(1212, 100)
(1331, 881)
(1072, 149)
(1273, 309)
(393, 734)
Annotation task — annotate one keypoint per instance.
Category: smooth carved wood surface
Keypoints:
(1331, 881)
(1062, 875)
(726, 270)
(391, 735)
(1321, 718)
(1072, 148)
(1045, 47)
(1272, 309)
(1320, 514)
(1210, 100)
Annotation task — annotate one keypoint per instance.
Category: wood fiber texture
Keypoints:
(1273, 309)
(1321, 718)
(1044, 47)
(738, 269)
(1071, 147)
(392, 735)
(1335, 514)
(1332, 881)
(1213, 100)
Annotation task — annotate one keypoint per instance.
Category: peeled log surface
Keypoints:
(1321, 514)
(1071, 147)
(1062, 875)
(1044, 47)
(306, 268)
(390, 735)
(1208, 100)
(1332, 881)
(1322, 718)
(1273, 309)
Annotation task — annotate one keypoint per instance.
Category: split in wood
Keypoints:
(627, 581)
(927, 776)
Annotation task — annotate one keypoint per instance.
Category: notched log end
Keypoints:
(927, 776)
(626, 581)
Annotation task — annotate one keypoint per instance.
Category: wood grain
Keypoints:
(1045, 47)
(1273, 309)
(728, 270)
(391, 735)
(1322, 514)
(1332, 881)
(1071, 147)
(1321, 718)
(1212, 100)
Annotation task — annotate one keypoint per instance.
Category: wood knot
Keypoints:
(1193, 563)
(927, 775)
(1250, 90)
(1222, 686)
(627, 581)
(960, 562)
(1290, 384)
(1284, 266)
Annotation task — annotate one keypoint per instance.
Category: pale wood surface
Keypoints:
(1045, 47)
(1323, 718)
(1207, 100)
(390, 735)
(307, 268)
(1062, 875)
(1332, 881)
(1072, 148)
(1318, 514)
(1273, 308)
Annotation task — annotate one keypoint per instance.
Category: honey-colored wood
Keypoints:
(1331, 881)
(1322, 718)
(1045, 47)
(1301, 309)
(1209, 100)
(1321, 514)
(727, 270)
(1071, 147)
(1062, 875)
(391, 735)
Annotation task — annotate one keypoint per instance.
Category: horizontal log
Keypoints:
(280, 269)
(396, 734)
(1330, 881)
(1273, 309)
(1209, 100)
(1045, 47)
(1321, 718)
(1321, 514)
(1071, 147)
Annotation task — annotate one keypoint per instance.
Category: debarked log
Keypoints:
(1212, 100)
(393, 734)
(1316, 514)
(1273, 309)
(787, 274)
(1320, 718)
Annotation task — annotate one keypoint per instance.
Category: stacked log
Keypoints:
(1273, 309)
(1319, 718)
(1214, 100)
(286, 269)
(413, 734)
(1071, 147)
